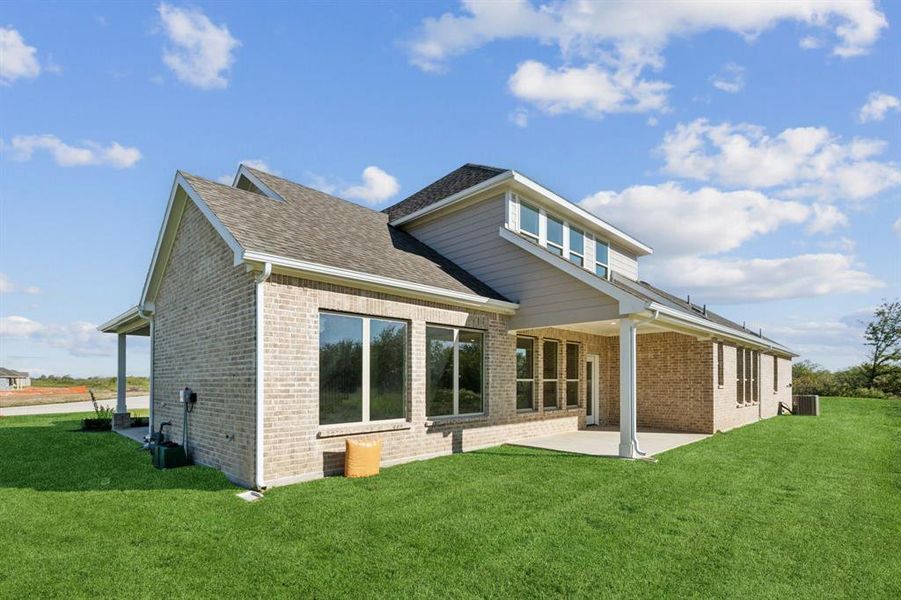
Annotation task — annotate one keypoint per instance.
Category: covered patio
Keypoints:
(134, 321)
(604, 441)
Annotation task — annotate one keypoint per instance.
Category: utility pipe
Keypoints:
(259, 481)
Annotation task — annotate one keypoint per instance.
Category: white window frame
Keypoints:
(572, 379)
(532, 236)
(533, 379)
(556, 379)
(547, 242)
(597, 263)
(367, 343)
(567, 237)
(457, 331)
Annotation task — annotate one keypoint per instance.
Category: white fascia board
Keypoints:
(377, 282)
(269, 192)
(628, 303)
(453, 199)
(669, 314)
(129, 320)
(615, 234)
(174, 211)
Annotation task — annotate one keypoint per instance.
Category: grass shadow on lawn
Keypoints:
(50, 453)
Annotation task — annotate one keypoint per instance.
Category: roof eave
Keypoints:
(718, 330)
(617, 235)
(361, 280)
(126, 322)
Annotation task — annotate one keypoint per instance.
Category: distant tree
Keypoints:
(883, 336)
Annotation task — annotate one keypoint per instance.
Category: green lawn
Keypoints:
(790, 507)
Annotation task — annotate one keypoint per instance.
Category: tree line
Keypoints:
(879, 376)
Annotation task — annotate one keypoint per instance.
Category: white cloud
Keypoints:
(591, 90)
(16, 326)
(91, 153)
(730, 79)
(377, 186)
(635, 33)
(679, 222)
(803, 161)
(616, 41)
(17, 59)
(876, 106)
(8, 286)
(79, 338)
(739, 280)
(896, 227)
(200, 53)
(833, 342)
(520, 118)
(826, 217)
(254, 163)
(810, 43)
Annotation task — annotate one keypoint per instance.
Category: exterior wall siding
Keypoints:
(298, 449)
(546, 295)
(204, 338)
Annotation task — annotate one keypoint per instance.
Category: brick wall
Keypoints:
(204, 331)
(728, 411)
(674, 382)
(297, 449)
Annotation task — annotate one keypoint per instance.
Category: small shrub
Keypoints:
(865, 392)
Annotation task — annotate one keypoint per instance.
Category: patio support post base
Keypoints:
(121, 420)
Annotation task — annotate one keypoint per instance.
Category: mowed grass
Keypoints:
(789, 507)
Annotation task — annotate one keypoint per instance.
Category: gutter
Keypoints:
(673, 315)
(149, 316)
(363, 280)
(260, 280)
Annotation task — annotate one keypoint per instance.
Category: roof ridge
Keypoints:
(312, 189)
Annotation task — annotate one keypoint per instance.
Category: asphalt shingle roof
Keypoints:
(456, 181)
(316, 227)
(4, 372)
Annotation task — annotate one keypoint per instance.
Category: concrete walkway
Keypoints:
(604, 441)
(133, 402)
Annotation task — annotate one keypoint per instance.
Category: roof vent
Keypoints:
(247, 185)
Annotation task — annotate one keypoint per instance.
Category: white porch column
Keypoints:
(628, 392)
(121, 407)
(121, 418)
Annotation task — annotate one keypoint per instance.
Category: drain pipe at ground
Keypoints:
(633, 413)
(259, 482)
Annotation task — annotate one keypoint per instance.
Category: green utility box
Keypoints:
(169, 457)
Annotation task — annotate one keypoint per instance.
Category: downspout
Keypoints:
(149, 318)
(259, 482)
(633, 425)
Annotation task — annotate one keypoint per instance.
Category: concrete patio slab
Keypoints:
(134, 433)
(605, 441)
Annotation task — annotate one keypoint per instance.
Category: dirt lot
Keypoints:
(52, 395)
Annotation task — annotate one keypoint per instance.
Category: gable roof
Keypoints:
(4, 372)
(640, 296)
(312, 228)
(456, 181)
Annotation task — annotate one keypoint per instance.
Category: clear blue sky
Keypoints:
(755, 148)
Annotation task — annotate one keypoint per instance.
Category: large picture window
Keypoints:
(362, 369)
(455, 371)
(550, 373)
(572, 374)
(525, 373)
